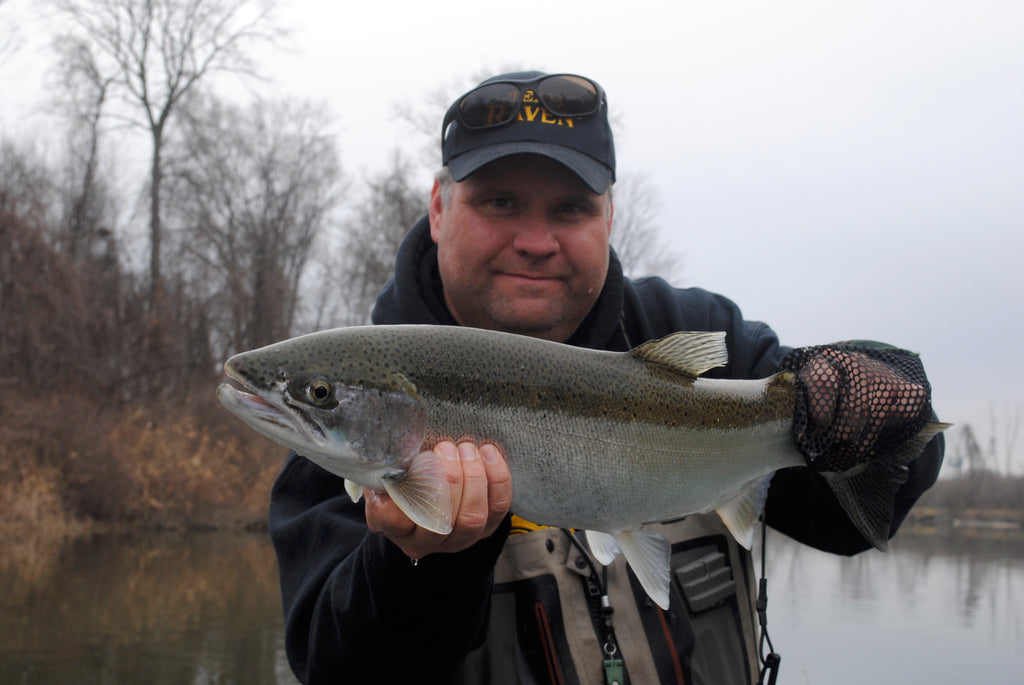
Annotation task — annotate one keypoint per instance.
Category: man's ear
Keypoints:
(435, 211)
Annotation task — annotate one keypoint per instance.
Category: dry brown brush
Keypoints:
(107, 409)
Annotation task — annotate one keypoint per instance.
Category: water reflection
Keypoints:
(142, 609)
(939, 608)
(205, 609)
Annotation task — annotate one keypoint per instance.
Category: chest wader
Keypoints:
(545, 625)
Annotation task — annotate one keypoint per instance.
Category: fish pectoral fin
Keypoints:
(648, 555)
(603, 546)
(868, 492)
(354, 490)
(740, 513)
(422, 493)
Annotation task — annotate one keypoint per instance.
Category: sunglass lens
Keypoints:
(568, 96)
(490, 105)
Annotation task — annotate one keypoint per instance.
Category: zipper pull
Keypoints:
(613, 672)
(614, 669)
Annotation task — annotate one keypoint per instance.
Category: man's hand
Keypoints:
(481, 492)
(876, 396)
(851, 401)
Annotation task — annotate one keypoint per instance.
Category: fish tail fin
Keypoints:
(867, 492)
(741, 513)
(648, 555)
(422, 493)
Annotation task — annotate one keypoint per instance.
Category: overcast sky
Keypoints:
(840, 169)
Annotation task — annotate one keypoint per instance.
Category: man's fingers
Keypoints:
(472, 513)
(383, 516)
(453, 473)
(481, 493)
(822, 382)
(499, 485)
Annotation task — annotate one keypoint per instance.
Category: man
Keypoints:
(517, 239)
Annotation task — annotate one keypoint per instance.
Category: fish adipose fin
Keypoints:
(688, 354)
(740, 514)
(422, 493)
(867, 492)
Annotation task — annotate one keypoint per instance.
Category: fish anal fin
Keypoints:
(603, 546)
(688, 354)
(740, 513)
(422, 493)
(647, 553)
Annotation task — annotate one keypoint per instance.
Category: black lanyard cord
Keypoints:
(597, 587)
(770, 662)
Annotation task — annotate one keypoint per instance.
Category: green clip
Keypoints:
(613, 672)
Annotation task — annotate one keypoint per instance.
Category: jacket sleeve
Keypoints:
(354, 604)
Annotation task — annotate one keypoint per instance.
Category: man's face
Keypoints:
(522, 247)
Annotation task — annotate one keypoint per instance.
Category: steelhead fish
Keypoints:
(599, 441)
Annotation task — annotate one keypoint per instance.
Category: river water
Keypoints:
(204, 609)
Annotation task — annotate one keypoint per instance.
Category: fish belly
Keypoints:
(584, 472)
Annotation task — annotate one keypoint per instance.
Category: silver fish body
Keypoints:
(600, 441)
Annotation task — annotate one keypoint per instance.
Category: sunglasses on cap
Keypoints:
(498, 103)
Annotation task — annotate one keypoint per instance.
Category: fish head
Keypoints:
(356, 421)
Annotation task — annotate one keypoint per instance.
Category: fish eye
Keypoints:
(319, 391)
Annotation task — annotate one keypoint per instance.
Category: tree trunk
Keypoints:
(155, 229)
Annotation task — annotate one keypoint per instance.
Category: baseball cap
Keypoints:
(540, 115)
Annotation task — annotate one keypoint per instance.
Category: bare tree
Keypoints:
(152, 53)
(26, 188)
(252, 189)
(84, 95)
(636, 235)
(970, 451)
(1005, 434)
(57, 319)
(366, 258)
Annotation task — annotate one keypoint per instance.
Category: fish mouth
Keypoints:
(270, 413)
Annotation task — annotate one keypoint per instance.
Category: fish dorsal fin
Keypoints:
(689, 353)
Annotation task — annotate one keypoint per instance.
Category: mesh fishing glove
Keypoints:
(856, 400)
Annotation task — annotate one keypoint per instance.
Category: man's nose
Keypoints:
(534, 236)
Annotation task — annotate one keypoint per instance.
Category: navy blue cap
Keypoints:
(583, 144)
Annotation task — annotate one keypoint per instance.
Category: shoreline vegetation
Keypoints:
(67, 471)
